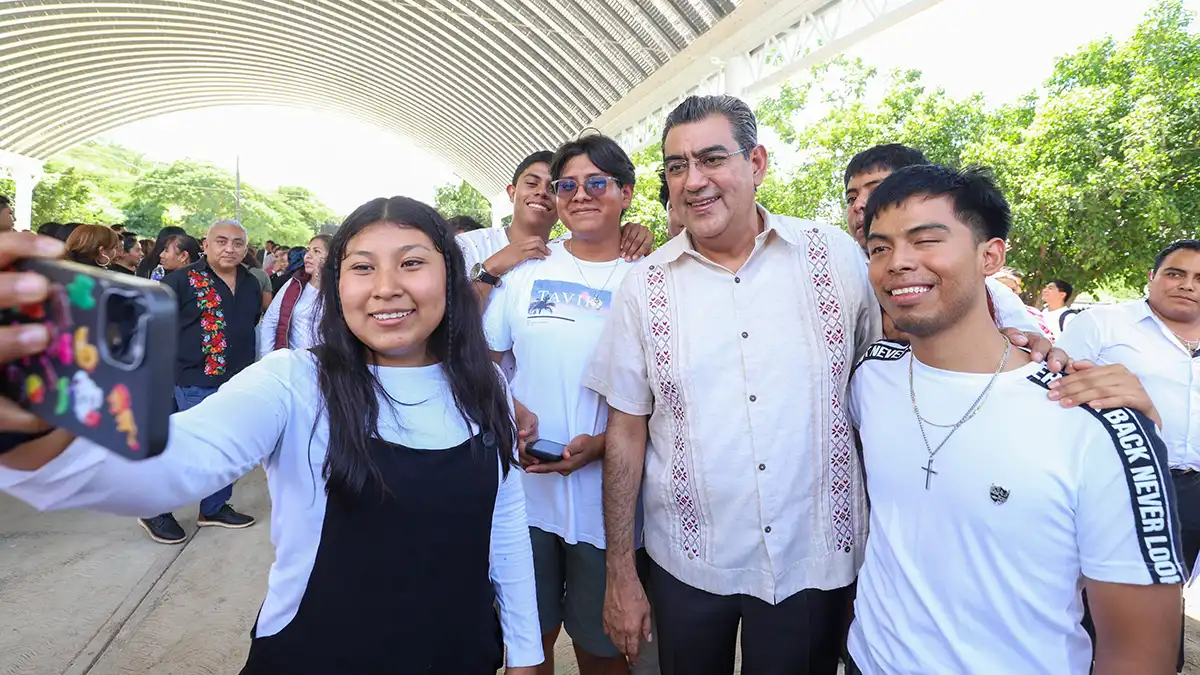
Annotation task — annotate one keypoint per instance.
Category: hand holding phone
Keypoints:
(546, 451)
(18, 341)
(106, 366)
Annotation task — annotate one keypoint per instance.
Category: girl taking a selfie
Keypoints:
(394, 537)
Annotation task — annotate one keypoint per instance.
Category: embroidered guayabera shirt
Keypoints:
(752, 483)
(216, 325)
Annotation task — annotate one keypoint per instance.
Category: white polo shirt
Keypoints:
(1131, 334)
(981, 573)
(751, 483)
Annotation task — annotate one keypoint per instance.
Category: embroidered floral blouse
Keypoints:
(216, 325)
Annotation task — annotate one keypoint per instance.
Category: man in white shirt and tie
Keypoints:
(1158, 339)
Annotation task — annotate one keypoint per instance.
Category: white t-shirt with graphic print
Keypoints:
(981, 573)
(550, 313)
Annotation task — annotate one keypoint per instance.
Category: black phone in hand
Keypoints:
(109, 372)
(546, 451)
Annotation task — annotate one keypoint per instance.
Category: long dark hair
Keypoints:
(351, 392)
(146, 267)
(186, 243)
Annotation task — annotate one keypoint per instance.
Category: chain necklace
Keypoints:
(912, 390)
(1191, 345)
(599, 289)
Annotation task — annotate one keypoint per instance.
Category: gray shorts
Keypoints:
(570, 590)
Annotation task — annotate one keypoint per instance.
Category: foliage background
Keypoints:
(1101, 163)
(99, 182)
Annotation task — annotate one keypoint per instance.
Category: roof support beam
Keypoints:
(733, 58)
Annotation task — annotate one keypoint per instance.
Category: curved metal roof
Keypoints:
(480, 83)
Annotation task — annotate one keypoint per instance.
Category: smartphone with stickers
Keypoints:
(109, 372)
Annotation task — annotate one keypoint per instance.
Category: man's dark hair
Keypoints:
(464, 224)
(698, 108)
(604, 153)
(976, 199)
(664, 193)
(117, 228)
(271, 243)
(48, 229)
(128, 241)
(539, 157)
(1064, 286)
(64, 231)
(889, 157)
(5, 203)
(1181, 245)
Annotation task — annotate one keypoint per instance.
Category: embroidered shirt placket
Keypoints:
(829, 312)
(684, 492)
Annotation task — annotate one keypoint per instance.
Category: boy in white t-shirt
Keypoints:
(983, 533)
(492, 252)
(549, 313)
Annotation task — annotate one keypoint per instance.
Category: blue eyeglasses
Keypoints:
(565, 188)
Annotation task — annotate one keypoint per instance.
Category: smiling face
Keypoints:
(858, 191)
(1175, 287)
(392, 288)
(586, 215)
(928, 267)
(712, 204)
(532, 201)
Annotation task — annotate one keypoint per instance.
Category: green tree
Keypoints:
(65, 195)
(462, 200)
(908, 112)
(1102, 169)
(307, 205)
(645, 207)
(1108, 170)
(193, 195)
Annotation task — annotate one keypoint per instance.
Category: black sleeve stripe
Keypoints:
(883, 350)
(1151, 491)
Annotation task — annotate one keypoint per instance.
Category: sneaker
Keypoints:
(226, 517)
(164, 529)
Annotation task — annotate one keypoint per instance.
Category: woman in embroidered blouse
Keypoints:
(298, 301)
(393, 537)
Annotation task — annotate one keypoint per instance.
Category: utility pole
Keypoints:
(237, 195)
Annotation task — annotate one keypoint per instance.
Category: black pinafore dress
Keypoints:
(401, 583)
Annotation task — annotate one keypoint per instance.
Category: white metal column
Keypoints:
(23, 200)
(501, 209)
(25, 171)
(738, 75)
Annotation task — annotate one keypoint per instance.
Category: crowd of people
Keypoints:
(852, 445)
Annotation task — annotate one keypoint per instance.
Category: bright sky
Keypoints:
(1001, 47)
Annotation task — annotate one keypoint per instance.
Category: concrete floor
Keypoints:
(89, 594)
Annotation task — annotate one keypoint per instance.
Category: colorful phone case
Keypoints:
(116, 392)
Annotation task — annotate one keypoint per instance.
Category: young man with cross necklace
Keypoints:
(982, 536)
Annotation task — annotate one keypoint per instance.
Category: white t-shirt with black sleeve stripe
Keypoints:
(981, 573)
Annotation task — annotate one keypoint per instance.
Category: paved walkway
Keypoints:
(89, 594)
